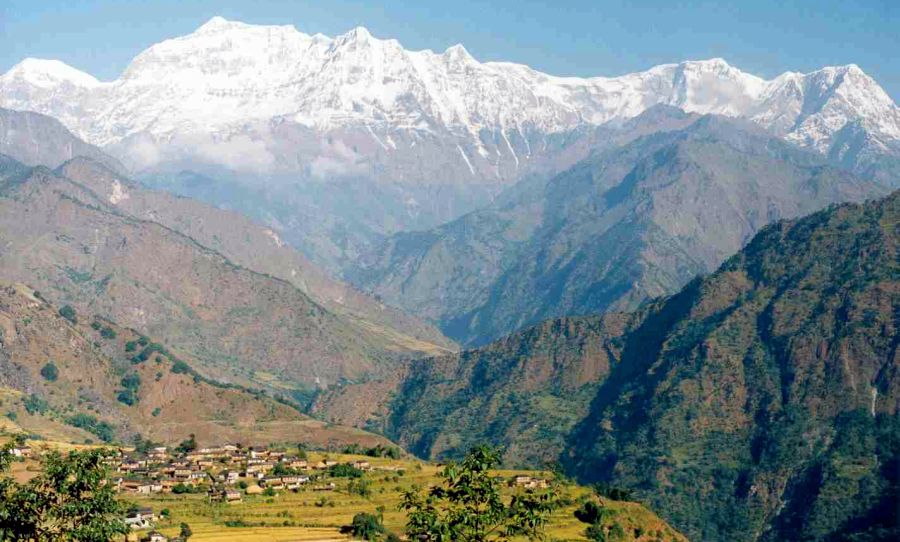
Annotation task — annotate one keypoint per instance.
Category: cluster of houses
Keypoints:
(220, 470)
(529, 482)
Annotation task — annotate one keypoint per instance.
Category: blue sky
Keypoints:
(557, 36)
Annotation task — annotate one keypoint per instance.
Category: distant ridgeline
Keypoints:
(759, 403)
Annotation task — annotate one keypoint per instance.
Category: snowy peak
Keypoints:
(219, 24)
(228, 74)
(48, 73)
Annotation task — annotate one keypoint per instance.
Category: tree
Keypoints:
(365, 526)
(186, 531)
(188, 445)
(50, 372)
(67, 312)
(68, 501)
(597, 516)
(468, 506)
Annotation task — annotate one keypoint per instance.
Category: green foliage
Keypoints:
(103, 430)
(180, 367)
(68, 500)
(50, 372)
(590, 512)
(185, 531)
(343, 470)
(108, 333)
(35, 405)
(148, 351)
(188, 445)
(132, 383)
(361, 487)
(183, 489)
(750, 379)
(67, 312)
(468, 505)
(142, 445)
(613, 493)
(600, 527)
(365, 526)
(280, 469)
(131, 346)
(156, 412)
(268, 492)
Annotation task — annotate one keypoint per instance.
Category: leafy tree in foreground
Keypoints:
(365, 526)
(467, 506)
(68, 501)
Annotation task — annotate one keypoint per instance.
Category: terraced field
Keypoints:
(309, 515)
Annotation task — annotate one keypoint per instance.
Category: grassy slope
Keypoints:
(323, 523)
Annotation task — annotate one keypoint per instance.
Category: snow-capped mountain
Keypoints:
(430, 135)
(227, 76)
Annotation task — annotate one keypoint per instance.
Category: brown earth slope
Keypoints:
(98, 362)
(77, 248)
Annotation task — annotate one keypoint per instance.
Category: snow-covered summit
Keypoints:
(43, 72)
(228, 74)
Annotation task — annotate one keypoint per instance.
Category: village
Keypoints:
(227, 474)
(231, 474)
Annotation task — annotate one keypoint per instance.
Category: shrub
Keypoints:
(35, 405)
(343, 470)
(126, 397)
(103, 430)
(364, 526)
(67, 312)
(361, 487)
(131, 383)
(50, 372)
(108, 333)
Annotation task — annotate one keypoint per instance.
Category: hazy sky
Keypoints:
(765, 37)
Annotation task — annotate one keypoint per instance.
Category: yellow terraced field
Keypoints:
(318, 515)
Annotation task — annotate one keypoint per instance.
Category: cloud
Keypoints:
(335, 159)
(239, 152)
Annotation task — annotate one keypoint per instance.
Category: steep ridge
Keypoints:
(769, 409)
(35, 140)
(102, 386)
(257, 248)
(758, 403)
(630, 223)
(33, 137)
(240, 325)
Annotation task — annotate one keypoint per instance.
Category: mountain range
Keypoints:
(419, 137)
(209, 282)
(758, 403)
(682, 282)
(630, 223)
